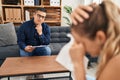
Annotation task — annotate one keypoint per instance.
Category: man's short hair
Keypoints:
(41, 9)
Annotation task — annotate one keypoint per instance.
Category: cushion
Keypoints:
(55, 47)
(9, 51)
(7, 34)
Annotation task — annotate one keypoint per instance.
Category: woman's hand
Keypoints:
(77, 53)
(80, 14)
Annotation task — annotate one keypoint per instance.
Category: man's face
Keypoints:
(39, 17)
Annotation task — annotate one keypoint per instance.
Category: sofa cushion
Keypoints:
(59, 34)
(60, 29)
(9, 51)
(59, 40)
(1, 61)
(55, 47)
(7, 34)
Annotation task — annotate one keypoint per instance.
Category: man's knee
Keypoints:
(43, 51)
(23, 53)
(47, 51)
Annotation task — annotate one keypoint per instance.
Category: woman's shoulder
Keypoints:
(112, 69)
(115, 61)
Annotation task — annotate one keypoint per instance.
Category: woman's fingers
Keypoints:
(80, 14)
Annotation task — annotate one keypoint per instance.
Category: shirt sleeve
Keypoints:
(45, 37)
(21, 37)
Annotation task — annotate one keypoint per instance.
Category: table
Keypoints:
(19, 66)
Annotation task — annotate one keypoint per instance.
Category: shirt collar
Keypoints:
(32, 22)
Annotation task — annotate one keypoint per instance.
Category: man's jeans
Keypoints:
(39, 51)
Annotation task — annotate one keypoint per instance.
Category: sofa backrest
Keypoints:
(59, 34)
(58, 38)
(17, 28)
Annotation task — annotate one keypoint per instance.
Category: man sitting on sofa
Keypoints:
(34, 33)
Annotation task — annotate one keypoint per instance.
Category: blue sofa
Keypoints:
(58, 40)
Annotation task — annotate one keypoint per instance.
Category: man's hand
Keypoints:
(39, 29)
(80, 14)
(29, 48)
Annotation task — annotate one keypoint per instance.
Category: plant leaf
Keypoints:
(67, 20)
(68, 9)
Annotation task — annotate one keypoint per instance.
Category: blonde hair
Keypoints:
(112, 45)
(105, 17)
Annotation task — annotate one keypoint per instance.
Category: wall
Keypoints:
(117, 2)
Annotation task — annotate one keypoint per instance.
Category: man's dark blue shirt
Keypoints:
(27, 35)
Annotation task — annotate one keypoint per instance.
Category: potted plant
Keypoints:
(68, 10)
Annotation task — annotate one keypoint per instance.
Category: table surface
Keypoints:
(14, 66)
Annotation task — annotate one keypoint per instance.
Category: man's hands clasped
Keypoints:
(29, 48)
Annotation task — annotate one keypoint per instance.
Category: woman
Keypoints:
(96, 29)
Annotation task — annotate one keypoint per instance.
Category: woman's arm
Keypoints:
(112, 70)
(79, 71)
(77, 53)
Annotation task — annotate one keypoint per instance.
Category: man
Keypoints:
(34, 33)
